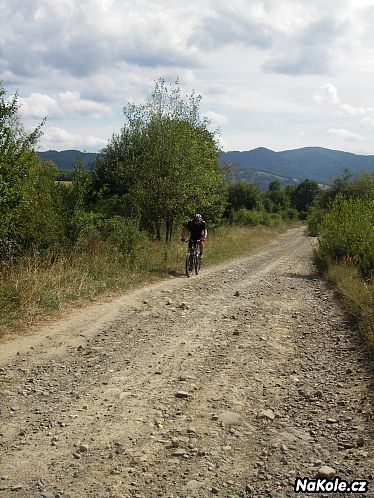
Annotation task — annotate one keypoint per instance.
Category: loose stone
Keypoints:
(230, 418)
(326, 472)
(266, 414)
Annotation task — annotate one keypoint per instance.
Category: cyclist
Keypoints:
(198, 232)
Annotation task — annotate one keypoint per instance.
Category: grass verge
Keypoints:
(357, 297)
(39, 287)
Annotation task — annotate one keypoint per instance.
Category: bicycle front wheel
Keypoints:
(189, 264)
(197, 264)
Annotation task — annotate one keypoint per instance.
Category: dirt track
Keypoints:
(231, 383)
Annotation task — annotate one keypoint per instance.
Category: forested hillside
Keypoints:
(66, 159)
(259, 166)
(319, 164)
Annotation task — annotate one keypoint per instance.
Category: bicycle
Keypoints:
(192, 259)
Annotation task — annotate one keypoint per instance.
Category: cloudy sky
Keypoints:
(280, 74)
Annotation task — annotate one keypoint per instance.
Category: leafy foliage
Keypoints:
(361, 187)
(346, 234)
(303, 195)
(29, 197)
(276, 199)
(164, 162)
(248, 205)
(244, 195)
(245, 216)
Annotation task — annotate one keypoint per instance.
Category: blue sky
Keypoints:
(280, 74)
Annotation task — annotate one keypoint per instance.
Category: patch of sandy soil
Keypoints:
(231, 384)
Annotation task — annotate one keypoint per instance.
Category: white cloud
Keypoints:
(326, 94)
(216, 119)
(60, 139)
(255, 63)
(369, 122)
(345, 135)
(352, 110)
(39, 106)
(72, 102)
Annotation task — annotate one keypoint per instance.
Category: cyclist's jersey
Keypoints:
(196, 230)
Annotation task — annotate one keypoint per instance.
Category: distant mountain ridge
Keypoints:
(66, 159)
(316, 163)
(260, 165)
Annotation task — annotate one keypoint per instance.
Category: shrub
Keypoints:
(272, 219)
(243, 195)
(245, 216)
(346, 233)
(290, 214)
(125, 234)
(314, 218)
(85, 228)
(30, 207)
(251, 217)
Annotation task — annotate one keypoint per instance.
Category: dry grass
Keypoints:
(39, 287)
(358, 298)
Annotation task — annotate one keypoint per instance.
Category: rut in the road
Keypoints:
(231, 383)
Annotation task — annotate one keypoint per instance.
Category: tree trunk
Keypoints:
(168, 229)
(158, 230)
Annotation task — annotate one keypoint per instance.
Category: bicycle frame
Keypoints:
(192, 259)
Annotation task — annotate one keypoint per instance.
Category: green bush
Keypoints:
(88, 230)
(125, 234)
(243, 194)
(245, 216)
(290, 214)
(346, 234)
(314, 219)
(272, 219)
(251, 217)
(30, 201)
(85, 228)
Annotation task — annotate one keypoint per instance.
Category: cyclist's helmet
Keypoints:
(197, 217)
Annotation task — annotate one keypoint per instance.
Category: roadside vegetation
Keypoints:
(38, 286)
(343, 220)
(69, 238)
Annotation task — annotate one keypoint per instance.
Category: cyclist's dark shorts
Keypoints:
(191, 242)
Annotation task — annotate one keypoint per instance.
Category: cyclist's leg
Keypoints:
(201, 247)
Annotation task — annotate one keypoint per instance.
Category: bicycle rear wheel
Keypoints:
(189, 264)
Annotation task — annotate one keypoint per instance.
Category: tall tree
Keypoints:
(276, 198)
(28, 214)
(244, 195)
(166, 160)
(302, 196)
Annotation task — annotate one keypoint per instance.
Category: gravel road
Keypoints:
(230, 384)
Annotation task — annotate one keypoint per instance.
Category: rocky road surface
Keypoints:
(230, 384)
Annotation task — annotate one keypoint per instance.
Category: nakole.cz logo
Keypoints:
(336, 485)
